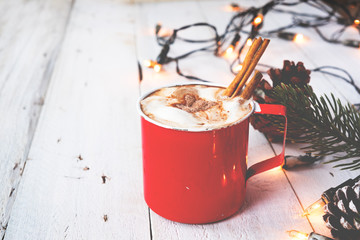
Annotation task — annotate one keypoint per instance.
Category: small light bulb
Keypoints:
(249, 42)
(351, 43)
(299, 38)
(314, 207)
(234, 7)
(233, 44)
(356, 21)
(152, 64)
(329, 195)
(258, 20)
(148, 63)
(297, 235)
(157, 28)
(296, 37)
(157, 67)
(238, 68)
(230, 49)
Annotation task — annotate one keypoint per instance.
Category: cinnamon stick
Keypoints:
(229, 91)
(250, 87)
(252, 66)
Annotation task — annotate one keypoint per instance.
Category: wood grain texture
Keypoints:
(30, 38)
(83, 174)
(83, 178)
(271, 204)
(310, 182)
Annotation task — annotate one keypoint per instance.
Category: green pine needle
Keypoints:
(329, 127)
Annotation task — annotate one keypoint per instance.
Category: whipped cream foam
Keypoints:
(194, 107)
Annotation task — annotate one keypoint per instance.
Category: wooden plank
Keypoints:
(269, 192)
(31, 35)
(83, 179)
(310, 182)
(316, 52)
(168, 14)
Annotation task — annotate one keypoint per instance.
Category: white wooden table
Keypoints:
(70, 155)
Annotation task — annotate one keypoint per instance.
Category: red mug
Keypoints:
(200, 176)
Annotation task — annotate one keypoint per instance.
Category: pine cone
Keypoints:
(342, 215)
(291, 74)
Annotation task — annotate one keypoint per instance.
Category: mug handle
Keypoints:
(277, 160)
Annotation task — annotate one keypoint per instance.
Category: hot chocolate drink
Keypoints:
(194, 107)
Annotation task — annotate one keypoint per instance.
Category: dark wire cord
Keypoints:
(349, 79)
(245, 18)
(187, 76)
(240, 22)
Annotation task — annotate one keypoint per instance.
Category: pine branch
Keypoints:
(328, 126)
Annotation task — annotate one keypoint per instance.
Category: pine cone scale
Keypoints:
(290, 74)
(342, 215)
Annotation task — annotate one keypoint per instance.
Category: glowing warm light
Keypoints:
(297, 235)
(233, 44)
(258, 20)
(161, 31)
(148, 63)
(165, 32)
(238, 68)
(313, 207)
(152, 64)
(224, 180)
(157, 28)
(233, 7)
(157, 67)
(230, 49)
(249, 42)
(356, 21)
(275, 169)
(299, 38)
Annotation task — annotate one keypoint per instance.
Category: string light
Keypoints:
(255, 17)
(352, 43)
(238, 68)
(157, 67)
(249, 42)
(161, 59)
(157, 28)
(299, 38)
(297, 235)
(162, 32)
(296, 37)
(233, 44)
(152, 64)
(149, 63)
(315, 206)
(229, 50)
(234, 7)
(258, 20)
(328, 196)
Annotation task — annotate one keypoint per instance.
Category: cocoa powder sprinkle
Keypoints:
(194, 104)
